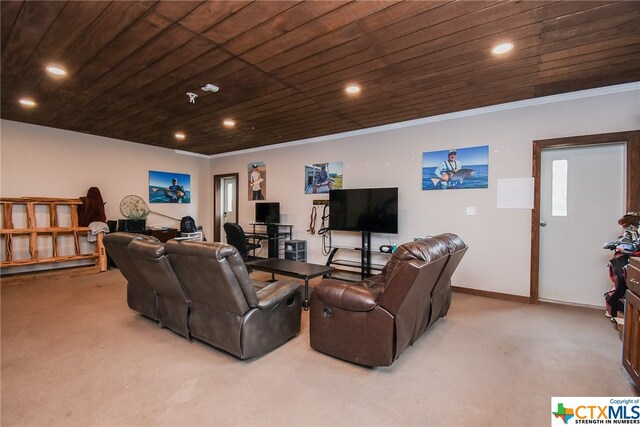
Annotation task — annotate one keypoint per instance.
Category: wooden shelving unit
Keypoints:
(8, 232)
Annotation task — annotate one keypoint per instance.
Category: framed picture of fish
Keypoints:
(456, 168)
(169, 187)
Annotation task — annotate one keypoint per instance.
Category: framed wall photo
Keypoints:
(169, 187)
(322, 177)
(257, 180)
(456, 168)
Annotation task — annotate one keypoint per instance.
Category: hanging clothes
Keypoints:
(92, 208)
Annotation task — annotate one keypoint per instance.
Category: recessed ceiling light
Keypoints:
(58, 71)
(180, 135)
(27, 102)
(352, 89)
(502, 48)
(229, 123)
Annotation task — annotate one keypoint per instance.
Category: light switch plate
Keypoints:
(471, 210)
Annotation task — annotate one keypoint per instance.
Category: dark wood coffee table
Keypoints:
(297, 269)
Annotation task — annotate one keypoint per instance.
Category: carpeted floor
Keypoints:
(74, 354)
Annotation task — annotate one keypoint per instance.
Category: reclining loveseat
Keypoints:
(140, 294)
(203, 290)
(227, 311)
(172, 300)
(373, 321)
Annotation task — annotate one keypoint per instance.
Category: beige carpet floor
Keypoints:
(74, 354)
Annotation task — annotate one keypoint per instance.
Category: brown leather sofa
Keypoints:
(228, 310)
(172, 300)
(140, 294)
(441, 294)
(373, 321)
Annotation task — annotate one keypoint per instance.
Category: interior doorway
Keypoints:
(225, 203)
(630, 141)
(579, 212)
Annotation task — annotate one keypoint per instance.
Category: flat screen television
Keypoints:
(364, 209)
(268, 212)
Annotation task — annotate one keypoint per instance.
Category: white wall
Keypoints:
(499, 239)
(39, 161)
(46, 162)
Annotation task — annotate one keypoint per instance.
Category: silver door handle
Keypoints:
(543, 223)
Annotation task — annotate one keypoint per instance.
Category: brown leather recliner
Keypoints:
(441, 295)
(228, 310)
(140, 294)
(172, 300)
(373, 321)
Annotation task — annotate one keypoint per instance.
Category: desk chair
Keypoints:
(237, 238)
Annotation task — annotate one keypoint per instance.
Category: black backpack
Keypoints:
(188, 225)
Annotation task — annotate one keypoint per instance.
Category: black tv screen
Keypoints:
(364, 209)
(268, 212)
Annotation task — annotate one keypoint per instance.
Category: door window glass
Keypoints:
(229, 197)
(559, 187)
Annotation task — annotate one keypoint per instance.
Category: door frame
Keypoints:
(630, 139)
(217, 190)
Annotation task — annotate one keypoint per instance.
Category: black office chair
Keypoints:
(237, 238)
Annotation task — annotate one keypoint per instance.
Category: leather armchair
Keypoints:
(229, 310)
(373, 321)
(172, 300)
(140, 294)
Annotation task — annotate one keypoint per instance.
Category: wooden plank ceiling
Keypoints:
(282, 66)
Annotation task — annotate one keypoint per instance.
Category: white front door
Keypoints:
(581, 198)
(227, 204)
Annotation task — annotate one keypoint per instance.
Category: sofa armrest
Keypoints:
(349, 296)
(276, 292)
(259, 284)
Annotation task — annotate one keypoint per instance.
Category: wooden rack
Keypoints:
(8, 231)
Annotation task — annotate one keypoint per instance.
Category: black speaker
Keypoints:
(132, 225)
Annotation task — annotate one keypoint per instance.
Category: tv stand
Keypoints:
(365, 255)
(358, 270)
